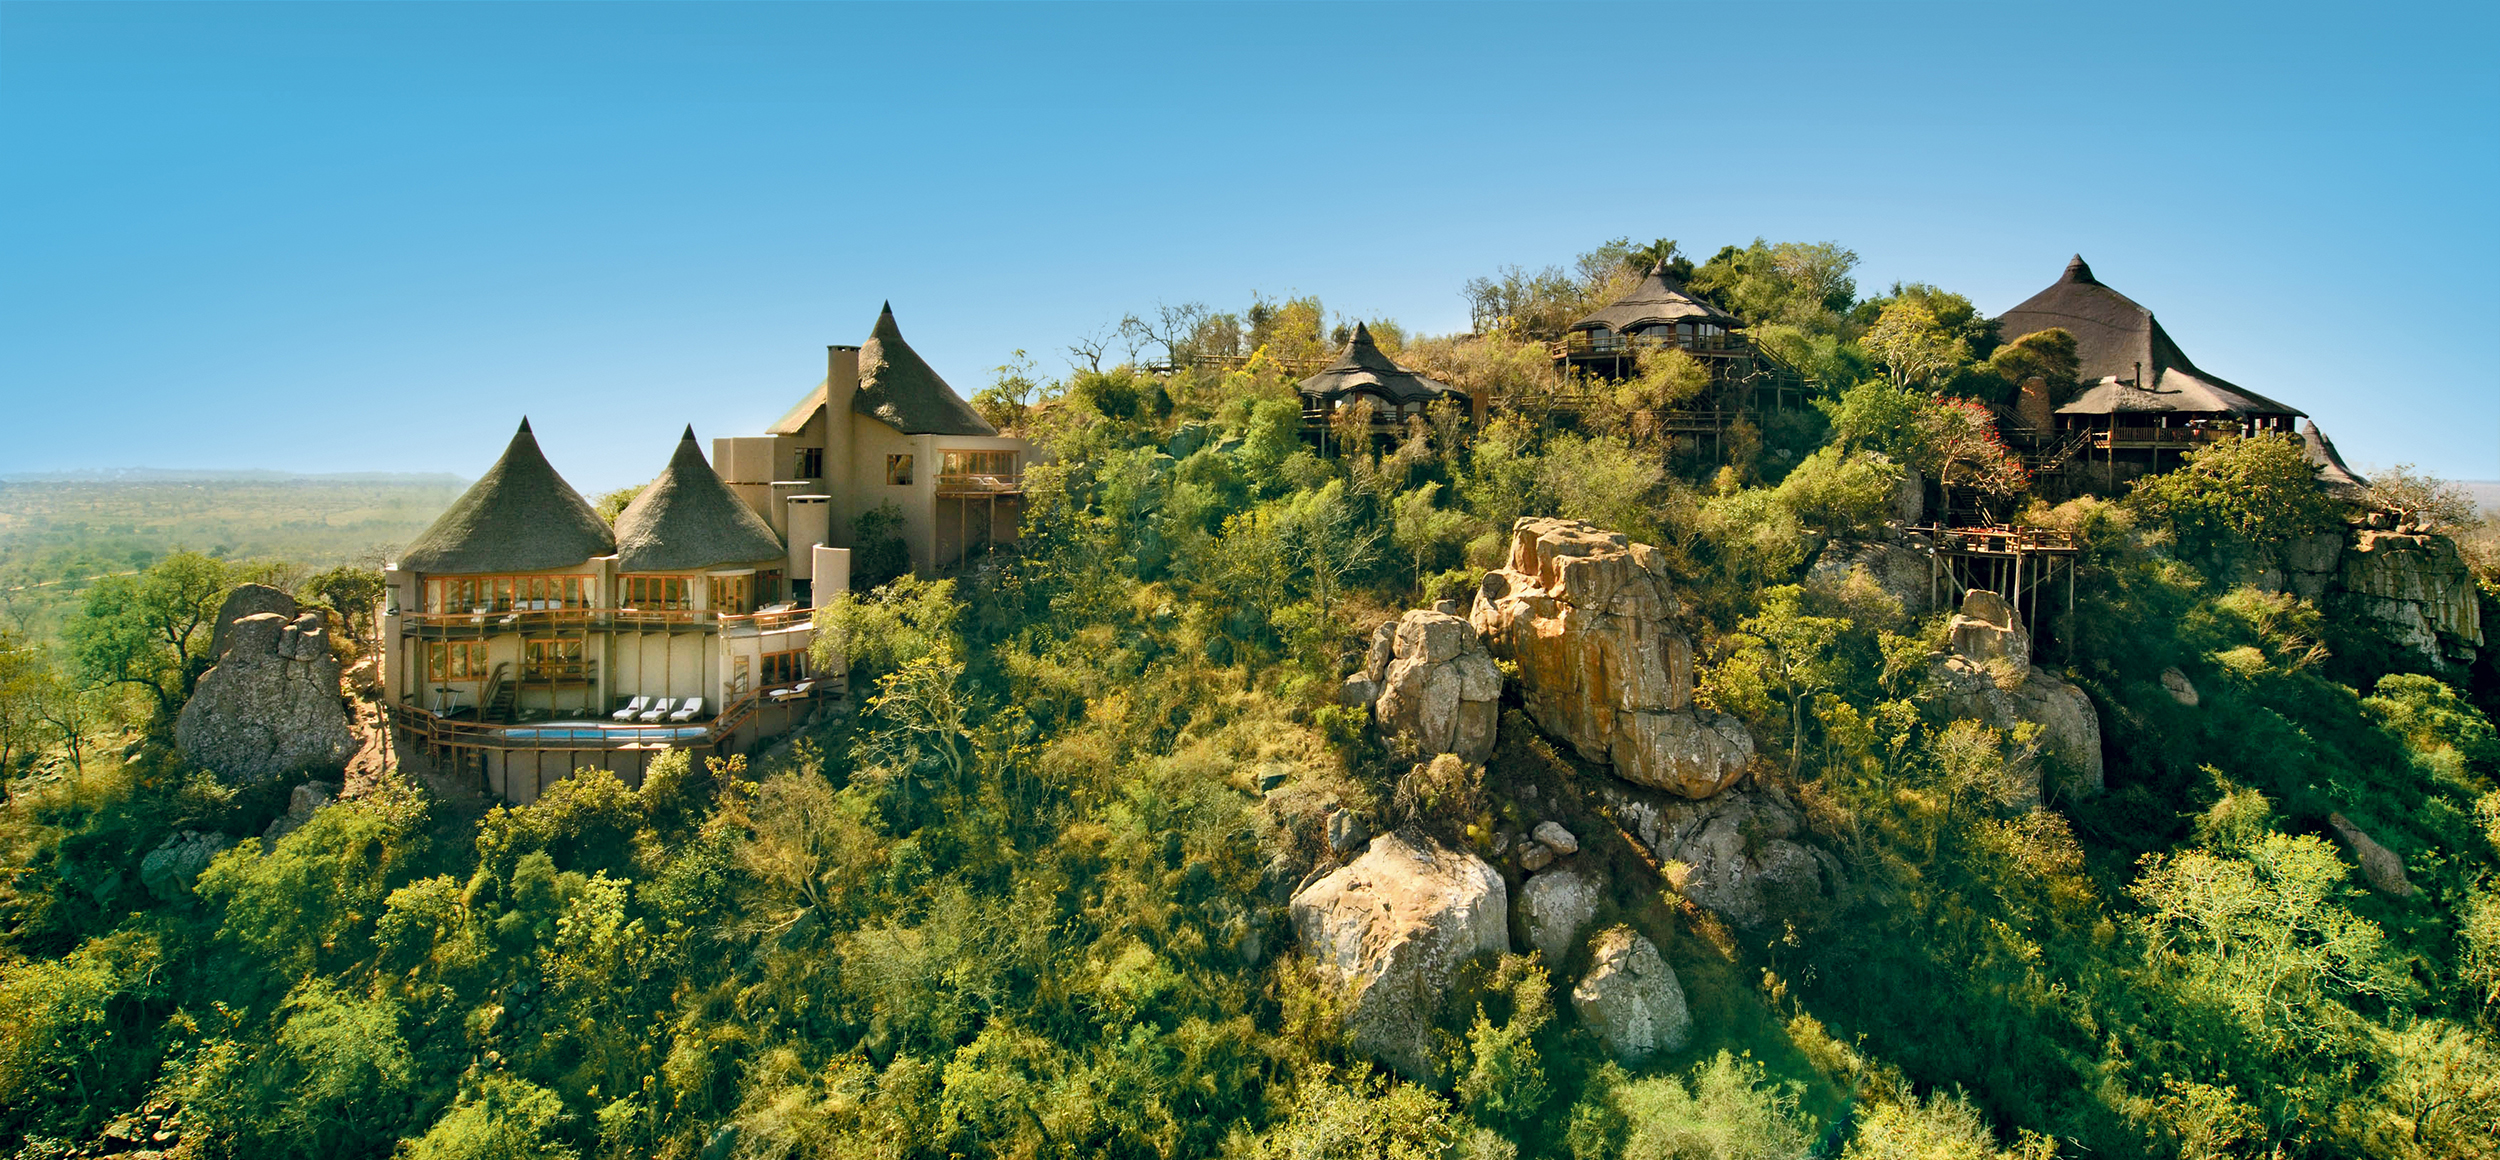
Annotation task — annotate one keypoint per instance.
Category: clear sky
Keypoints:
(369, 237)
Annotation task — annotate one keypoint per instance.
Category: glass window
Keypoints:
(663, 593)
(898, 470)
(458, 660)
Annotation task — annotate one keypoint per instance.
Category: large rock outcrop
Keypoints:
(1988, 677)
(1589, 618)
(1554, 906)
(1631, 999)
(1430, 679)
(271, 706)
(1392, 928)
(246, 600)
(2419, 589)
(1735, 855)
(1900, 569)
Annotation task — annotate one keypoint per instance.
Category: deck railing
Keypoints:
(436, 730)
(558, 620)
(980, 484)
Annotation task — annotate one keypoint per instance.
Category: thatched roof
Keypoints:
(1362, 368)
(688, 519)
(796, 420)
(2332, 474)
(899, 390)
(519, 517)
(1659, 298)
(2123, 351)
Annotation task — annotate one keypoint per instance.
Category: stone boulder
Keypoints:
(246, 600)
(2181, 689)
(1985, 631)
(1589, 618)
(1899, 569)
(300, 804)
(1392, 929)
(169, 869)
(1430, 679)
(1554, 906)
(1735, 855)
(1994, 684)
(2418, 586)
(2382, 867)
(1630, 998)
(271, 706)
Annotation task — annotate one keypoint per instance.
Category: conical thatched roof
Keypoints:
(2114, 340)
(1363, 368)
(899, 390)
(2332, 474)
(689, 519)
(520, 517)
(1659, 298)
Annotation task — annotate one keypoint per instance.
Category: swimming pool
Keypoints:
(603, 731)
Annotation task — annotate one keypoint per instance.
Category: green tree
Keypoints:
(2260, 492)
(150, 630)
(1919, 349)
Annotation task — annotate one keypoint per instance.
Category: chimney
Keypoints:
(841, 378)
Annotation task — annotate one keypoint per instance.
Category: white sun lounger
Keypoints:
(631, 710)
(687, 711)
(655, 712)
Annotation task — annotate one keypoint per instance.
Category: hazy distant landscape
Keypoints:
(58, 534)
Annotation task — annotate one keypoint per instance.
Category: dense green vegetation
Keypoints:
(1025, 899)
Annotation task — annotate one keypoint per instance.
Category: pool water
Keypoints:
(603, 731)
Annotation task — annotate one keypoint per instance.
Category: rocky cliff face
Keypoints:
(1392, 929)
(2419, 590)
(1430, 680)
(1988, 677)
(1589, 618)
(271, 706)
(1738, 855)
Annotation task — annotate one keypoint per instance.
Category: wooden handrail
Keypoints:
(603, 618)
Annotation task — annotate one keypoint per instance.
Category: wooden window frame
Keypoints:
(656, 593)
(898, 469)
(439, 666)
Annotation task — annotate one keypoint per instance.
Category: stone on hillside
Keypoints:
(1986, 631)
(1589, 618)
(1733, 854)
(1630, 998)
(2384, 869)
(2419, 587)
(1693, 752)
(1554, 906)
(1986, 684)
(2179, 687)
(271, 706)
(1392, 929)
(169, 869)
(1552, 834)
(246, 600)
(1901, 571)
(1535, 856)
(310, 796)
(1431, 680)
(1345, 832)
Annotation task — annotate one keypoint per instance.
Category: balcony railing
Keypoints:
(1582, 344)
(980, 483)
(560, 620)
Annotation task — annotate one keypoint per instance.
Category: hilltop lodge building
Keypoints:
(523, 637)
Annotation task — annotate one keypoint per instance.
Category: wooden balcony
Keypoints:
(1582, 345)
(977, 485)
(479, 624)
(2159, 438)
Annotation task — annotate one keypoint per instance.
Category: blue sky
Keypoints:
(369, 237)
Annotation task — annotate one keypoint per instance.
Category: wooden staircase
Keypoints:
(503, 695)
